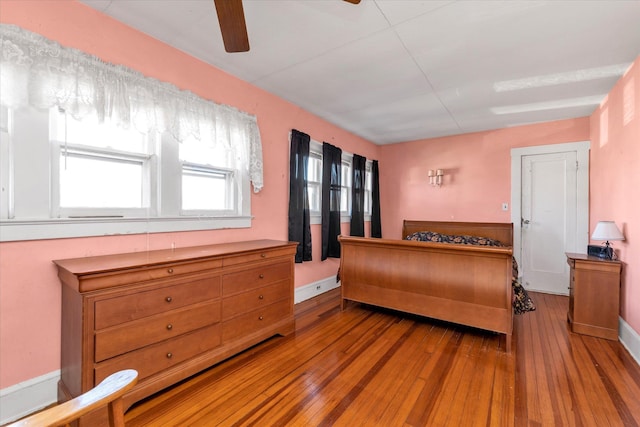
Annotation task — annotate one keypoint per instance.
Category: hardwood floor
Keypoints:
(371, 367)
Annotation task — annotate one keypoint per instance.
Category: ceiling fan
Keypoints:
(233, 26)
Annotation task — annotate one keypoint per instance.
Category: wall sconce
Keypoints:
(435, 177)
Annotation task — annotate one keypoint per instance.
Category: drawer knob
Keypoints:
(169, 326)
(262, 276)
(168, 299)
(260, 318)
(169, 355)
(261, 297)
(263, 255)
(170, 270)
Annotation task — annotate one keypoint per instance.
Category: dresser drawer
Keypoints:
(257, 256)
(114, 311)
(135, 275)
(158, 357)
(255, 277)
(254, 299)
(140, 333)
(255, 320)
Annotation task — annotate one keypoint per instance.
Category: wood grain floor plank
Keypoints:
(371, 367)
(402, 401)
(373, 395)
(450, 402)
(614, 369)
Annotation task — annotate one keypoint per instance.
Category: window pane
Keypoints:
(314, 174)
(204, 190)
(368, 187)
(100, 182)
(344, 200)
(314, 197)
(204, 153)
(90, 132)
(346, 174)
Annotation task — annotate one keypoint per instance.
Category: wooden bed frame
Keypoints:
(464, 284)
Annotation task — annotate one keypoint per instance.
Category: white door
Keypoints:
(549, 205)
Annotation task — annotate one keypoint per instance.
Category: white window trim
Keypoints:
(58, 228)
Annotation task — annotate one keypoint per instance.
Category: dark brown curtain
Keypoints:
(331, 186)
(299, 222)
(376, 226)
(358, 172)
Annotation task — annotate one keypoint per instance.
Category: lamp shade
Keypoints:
(607, 230)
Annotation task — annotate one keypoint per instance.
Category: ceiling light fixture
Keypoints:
(555, 79)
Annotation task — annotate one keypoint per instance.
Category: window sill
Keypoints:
(60, 228)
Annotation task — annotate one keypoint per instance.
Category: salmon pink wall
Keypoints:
(29, 288)
(615, 180)
(477, 169)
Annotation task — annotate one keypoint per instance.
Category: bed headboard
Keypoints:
(502, 231)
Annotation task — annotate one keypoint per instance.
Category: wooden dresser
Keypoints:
(594, 295)
(169, 313)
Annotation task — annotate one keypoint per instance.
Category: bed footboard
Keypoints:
(468, 285)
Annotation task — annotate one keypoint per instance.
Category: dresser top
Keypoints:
(103, 263)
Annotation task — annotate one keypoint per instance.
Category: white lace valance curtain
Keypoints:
(38, 72)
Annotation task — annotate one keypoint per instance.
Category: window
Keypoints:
(206, 189)
(314, 184)
(345, 183)
(368, 189)
(62, 177)
(5, 164)
(98, 169)
(208, 178)
(90, 179)
(314, 181)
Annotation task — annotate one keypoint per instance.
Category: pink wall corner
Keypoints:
(29, 288)
(615, 178)
(477, 170)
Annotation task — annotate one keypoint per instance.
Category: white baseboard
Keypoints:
(314, 289)
(630, 339)
(28, 396)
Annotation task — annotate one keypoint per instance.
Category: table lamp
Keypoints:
(607, 230)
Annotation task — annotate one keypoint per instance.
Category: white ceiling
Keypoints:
(400, 70)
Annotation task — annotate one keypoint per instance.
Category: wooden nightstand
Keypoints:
(594, 295)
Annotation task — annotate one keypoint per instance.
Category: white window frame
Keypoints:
(28, 197)
(317, 185)
(230, 191)
(145, 160)
(6, 167)
(368, 191)
(346, 170)
(315, 150)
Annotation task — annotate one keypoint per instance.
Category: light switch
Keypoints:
(505, 206)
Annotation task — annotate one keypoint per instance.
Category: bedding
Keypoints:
(522, 302)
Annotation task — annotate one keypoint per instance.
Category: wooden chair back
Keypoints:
(109, 392)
